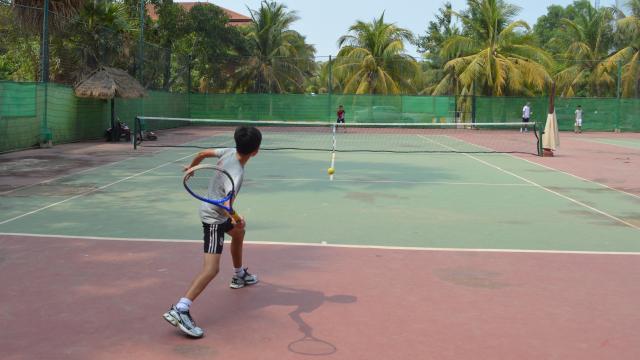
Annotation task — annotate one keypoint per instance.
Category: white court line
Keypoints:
(64, 176)
(601, 142)
(377, 247)
(578, 177)
(93, 190)
(566, 173)
(93, 168)
(255, 180)
(542, 187)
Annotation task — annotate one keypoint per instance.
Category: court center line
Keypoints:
(542, 187)
(94, 190)
(347, 246)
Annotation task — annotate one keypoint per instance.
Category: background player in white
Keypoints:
(526, 116)
(578, 125)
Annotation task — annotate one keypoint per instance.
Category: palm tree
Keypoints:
(629, 55)
(587, 40)
(496, 54)
(372, 59)
(280, 59)
(29, 12)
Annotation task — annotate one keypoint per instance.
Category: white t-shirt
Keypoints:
(579, 117)
(526, 112)
(211, 214)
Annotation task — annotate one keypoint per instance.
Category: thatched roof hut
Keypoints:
(108, 83)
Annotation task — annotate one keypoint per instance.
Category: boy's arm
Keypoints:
(201, 156)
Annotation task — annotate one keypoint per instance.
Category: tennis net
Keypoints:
(353, 137)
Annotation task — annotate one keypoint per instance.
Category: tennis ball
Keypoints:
(331, 170)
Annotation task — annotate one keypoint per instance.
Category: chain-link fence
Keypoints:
(188, 77)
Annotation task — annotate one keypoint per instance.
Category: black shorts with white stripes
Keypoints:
(214, 236)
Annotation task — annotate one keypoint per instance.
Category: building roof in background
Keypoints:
(235, 18)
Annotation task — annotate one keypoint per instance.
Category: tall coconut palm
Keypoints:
(587, 40)
(494, 53)
(372, 59)
(629, 55)
(280, 58)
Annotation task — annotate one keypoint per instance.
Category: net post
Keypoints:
(329, 85)
(538, 131)
(136, 132)
(473, 103)
(618, 96)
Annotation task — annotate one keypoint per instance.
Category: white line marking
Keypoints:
(567, 173)
(544, 188)
(257, 180)
(93, 190)
(63, 176)
(155, 152)
(347, 246)
(602, 141)
(577, 177)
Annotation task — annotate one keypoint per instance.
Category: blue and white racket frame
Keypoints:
(219, 202)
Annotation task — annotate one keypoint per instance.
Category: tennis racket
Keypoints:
(213, 185)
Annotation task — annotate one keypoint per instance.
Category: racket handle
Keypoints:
(236, 217)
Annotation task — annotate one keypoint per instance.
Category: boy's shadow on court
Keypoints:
(306, 301)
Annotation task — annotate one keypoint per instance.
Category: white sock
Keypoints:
(239, 271)
(184, 304)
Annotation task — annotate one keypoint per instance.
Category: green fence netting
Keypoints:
(26, 118)
(322, 107)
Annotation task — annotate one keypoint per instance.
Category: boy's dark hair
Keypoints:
(248, 139)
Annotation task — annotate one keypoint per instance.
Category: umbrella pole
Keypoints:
(552, 109)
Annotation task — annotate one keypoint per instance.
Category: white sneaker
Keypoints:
(183, 321)
(238, 282)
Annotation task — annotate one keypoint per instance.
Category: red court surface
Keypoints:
(581, 155)
(91, 299)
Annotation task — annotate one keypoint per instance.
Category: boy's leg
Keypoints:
(241, 278)
(179, 314)
(210, 268)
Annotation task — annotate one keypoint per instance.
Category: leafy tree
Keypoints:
(212, 44)
(19, 51)
(171, 27)
(549, 26)
(430, 45)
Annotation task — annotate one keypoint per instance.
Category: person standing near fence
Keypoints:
(578, 125)
(526, 116)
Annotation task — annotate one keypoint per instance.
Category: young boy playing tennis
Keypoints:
(215, 223)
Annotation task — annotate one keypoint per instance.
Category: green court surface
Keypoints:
(462, 201)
